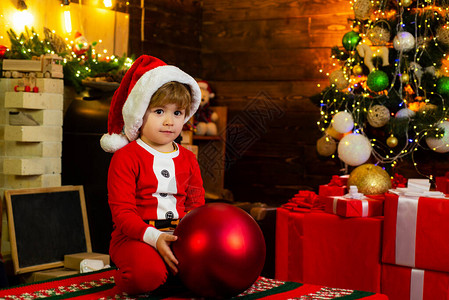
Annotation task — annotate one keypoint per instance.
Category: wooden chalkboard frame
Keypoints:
(12, 196)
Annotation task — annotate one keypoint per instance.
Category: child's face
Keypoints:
(161, 126)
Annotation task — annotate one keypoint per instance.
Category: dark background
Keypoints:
(262, 59)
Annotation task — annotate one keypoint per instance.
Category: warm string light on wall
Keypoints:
(67, 17)
(351, 92)
(71, 43)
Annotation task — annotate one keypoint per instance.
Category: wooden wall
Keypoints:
(171, 32)
(262, 58)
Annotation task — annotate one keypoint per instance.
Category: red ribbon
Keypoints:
(336, 181)
(303, 201)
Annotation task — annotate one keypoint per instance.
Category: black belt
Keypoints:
(163, 224)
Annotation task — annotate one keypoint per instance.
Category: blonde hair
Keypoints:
(173, 92)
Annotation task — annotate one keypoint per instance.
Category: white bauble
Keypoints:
(343, 122)
(440, 145)
(405, 113)
(354, 149)
(404, 41)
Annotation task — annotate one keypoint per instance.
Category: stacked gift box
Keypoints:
(395, 243)
(317, 247)
(354, 204)
(415, 243)
(442, 183)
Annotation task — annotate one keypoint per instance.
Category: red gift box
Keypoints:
(400, 283)
(342, 252)
(442, 183)
(331, 190)
(347, 207)
(288, 251)
(336, 187)
(416, 232)
(319, 248)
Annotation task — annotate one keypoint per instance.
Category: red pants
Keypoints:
(140, 267)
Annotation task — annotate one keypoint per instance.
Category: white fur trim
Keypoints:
(113, 142)
(139, 98)
(151, 236)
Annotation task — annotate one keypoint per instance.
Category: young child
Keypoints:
(152, 181)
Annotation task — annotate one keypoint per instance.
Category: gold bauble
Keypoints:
(339, 79)
(443, 35)
(406, 3)
(326, 146)
(370, 179)
(378, 35)
(428, 108)
(378, 115)
(357, 70)
(330, 131)
(362, 9)
(392, 141)
(405, 78)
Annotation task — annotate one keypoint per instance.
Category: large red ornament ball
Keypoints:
(220, 249)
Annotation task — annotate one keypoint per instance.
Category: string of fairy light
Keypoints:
(357, 96)
(79, 58)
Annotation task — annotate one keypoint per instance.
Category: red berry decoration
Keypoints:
(2, 51)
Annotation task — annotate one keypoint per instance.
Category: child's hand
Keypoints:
(163, 247)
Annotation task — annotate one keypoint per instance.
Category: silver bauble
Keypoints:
(404, 41)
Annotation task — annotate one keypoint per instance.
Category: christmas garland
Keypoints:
(77, 65)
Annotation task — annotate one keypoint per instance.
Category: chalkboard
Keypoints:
(44, 225)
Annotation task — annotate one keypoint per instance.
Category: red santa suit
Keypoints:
(144, 184)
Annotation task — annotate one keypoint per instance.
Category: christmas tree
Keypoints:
(389, 95)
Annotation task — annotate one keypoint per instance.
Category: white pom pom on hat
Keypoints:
(133, 96)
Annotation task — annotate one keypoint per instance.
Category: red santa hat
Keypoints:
(133, 96)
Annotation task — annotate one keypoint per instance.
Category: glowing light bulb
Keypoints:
(21, 19)
(107, 3)
(67, 19)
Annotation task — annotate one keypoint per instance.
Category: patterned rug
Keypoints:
(100, 285)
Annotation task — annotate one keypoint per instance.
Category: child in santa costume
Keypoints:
(152, 181)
